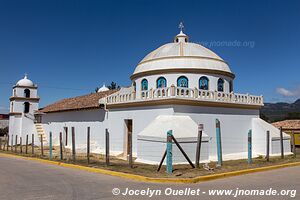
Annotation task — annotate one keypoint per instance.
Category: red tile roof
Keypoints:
(90, 101)
(288, 124)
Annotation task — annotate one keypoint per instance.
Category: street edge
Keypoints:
(155, 180)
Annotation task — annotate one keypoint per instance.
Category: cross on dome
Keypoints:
(181, 26)
(181, 37)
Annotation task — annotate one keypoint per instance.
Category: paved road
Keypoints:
(24, 179)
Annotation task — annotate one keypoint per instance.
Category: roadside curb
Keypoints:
(155, 180)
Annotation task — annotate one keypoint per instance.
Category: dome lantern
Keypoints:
(181, 37)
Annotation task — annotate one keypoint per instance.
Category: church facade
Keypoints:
(177, 87)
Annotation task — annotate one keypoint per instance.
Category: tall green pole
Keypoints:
(169, 152)
(219, 143)
(250, 146)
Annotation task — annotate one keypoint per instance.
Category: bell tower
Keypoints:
(23, 103)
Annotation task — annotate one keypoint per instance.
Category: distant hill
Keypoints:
(280, 111)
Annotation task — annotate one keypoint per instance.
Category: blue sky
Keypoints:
(70, 47)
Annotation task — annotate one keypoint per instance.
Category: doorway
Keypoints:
(128, 136)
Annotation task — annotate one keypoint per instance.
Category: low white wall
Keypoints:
(152, 152)
(259, 130)
(235, 124)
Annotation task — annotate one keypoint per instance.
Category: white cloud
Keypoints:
(288, 93)
(285, 92)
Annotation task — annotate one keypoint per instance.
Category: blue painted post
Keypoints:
(250, 146)
(219, 144)
(169, 152)
(50, 145)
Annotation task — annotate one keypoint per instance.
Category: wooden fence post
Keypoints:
(16, 143)
(219, 142)
(73, 144)
(169, 152)
(26, 145)
(12, 142)
(199, 141)
(21, 149)
(32, 144)
(7, 142)
(130, 149)
(268, 146)
(182, 151)
(42, 146)
(107, 147)
(60, 146)
(250, 147)
(66, 131)
(281, 143)
(162, 160)
(88, 145)
(50, 145)
(293, 144)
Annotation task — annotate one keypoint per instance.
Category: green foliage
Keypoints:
(293, 115)
(113, 86)
(3, 131)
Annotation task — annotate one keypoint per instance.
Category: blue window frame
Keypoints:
(183, 81)
(203, 83)
(161, 82)
(144, 84)
(220, 85)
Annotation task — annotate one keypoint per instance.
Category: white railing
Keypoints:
(186, 93)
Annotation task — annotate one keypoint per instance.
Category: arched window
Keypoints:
(144, 84)
(220, 85)
(26, 107)
(203, 83)
(231, 86)
(161, 82)
(27, 93)
(134, 85)
(183, 81)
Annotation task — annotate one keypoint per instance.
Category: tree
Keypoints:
(3, 131)
(113, 86)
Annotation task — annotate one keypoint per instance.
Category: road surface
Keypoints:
(25, 179)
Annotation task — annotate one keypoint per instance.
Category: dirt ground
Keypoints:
(121, 165)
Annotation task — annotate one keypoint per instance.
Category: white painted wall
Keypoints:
(235, 124)
(80, 120)
(259, 129)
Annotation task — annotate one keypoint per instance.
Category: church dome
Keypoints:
(182, 56)
(25, 82)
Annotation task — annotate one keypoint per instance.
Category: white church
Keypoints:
(175, 87)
